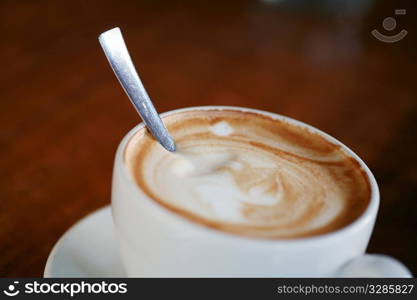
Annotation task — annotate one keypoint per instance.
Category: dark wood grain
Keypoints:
(63, 113)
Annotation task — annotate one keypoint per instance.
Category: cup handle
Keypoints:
(374, 265)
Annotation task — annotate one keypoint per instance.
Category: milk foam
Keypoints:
(242, 175)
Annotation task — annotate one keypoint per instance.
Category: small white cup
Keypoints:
(156, 242)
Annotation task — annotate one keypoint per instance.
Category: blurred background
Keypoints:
(63, 112)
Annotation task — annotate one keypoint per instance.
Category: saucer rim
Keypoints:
(47, 273)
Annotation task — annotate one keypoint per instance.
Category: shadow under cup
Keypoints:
(156, 241)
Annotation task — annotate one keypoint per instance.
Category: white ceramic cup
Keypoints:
(156, 242)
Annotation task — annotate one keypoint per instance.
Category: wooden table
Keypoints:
(63, 112)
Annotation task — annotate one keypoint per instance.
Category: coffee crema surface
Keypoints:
(249, 174)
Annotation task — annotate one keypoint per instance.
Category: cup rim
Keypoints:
(368, 216)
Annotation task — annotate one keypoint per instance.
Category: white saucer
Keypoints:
(87, 249)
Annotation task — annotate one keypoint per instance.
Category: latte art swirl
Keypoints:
(249, 174)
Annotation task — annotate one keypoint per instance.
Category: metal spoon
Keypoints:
(118, 56)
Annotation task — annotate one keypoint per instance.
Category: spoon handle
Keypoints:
(118, 56)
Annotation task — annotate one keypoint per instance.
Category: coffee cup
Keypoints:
(188, 217)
